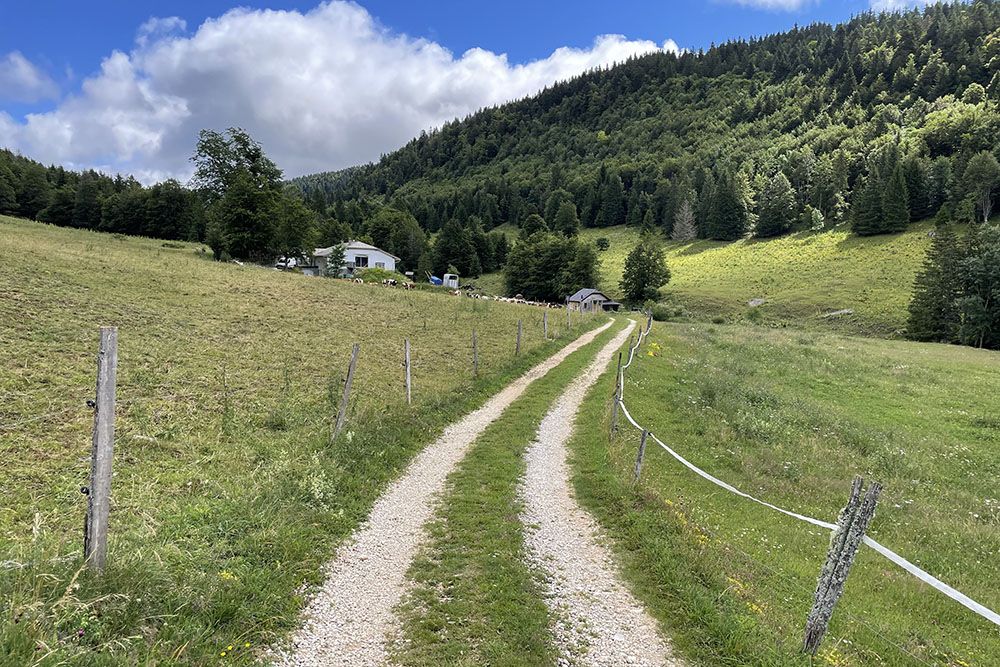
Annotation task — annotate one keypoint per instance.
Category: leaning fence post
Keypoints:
(639, 457)
(517, 350)
(617, 398)
(342, 412)
(851, 527)
(545, 324)
(475, 354)
(95, 538)
(406, 361)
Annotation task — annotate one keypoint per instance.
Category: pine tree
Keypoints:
(933, 308)
(777, 207)
(896, 202)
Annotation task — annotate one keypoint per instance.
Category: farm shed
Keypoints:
(357, 255)
(591, 300)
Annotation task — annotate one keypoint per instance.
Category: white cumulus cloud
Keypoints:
(22, 81)
(320, 90)
(898, 5)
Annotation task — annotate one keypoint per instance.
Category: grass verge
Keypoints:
(791, 417)
(476, 601)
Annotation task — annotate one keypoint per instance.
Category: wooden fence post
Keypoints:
(475, 355)
(569, 321)
(851, 527)
(616, 399)
(406, 361)
(545, 324)
(342, 412)
(95, 539)
(517, 350)
(639, 457)
(649, 323)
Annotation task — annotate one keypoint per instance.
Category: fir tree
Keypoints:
(896, 202)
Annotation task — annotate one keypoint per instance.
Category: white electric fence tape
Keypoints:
(927, 578)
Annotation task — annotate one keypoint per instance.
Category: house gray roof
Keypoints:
(351, 245)
(586, 293)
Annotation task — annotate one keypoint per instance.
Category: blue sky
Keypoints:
(126, 85)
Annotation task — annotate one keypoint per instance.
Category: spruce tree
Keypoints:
(933, 308)
(612, 202)
(867, 208)
(729, 215)
(777, 207)
(896, 202)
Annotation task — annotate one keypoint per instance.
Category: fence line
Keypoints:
(922, 575)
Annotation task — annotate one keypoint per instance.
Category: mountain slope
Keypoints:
(826, 105)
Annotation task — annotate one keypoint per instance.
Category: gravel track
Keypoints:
(349, 620)
(597, 619)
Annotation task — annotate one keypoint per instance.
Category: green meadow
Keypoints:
(228, 495)
(791, 417)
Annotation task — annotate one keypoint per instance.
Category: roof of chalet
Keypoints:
(352, 245)
(586, 293)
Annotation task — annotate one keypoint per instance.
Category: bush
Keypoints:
(663, 312)
(603, 243)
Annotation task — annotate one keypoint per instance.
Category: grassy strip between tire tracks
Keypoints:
(476, 600)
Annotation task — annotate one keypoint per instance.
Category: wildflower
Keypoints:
(222, 654)
(227, 575)
(247, 645)
(229, 648)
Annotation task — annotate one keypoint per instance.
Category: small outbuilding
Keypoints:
(590, 301)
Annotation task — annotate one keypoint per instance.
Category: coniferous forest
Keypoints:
(872, 124)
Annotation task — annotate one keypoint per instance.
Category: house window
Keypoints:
(361, 261)
(379, 265)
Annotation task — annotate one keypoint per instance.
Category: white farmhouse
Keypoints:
(357, 255)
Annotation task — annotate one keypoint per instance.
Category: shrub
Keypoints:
(603, 243)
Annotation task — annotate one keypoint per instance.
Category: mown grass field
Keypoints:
(227, 495)
(802, 277)
(791, 417)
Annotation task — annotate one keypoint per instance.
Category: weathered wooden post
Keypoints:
(545, 324)
(342, 412)
(517, 350)
(475, 354)
(95, 539)
(851, 527)
(649, 323)
(616, 398)
(639, 457)
(406, 361)
(569, 321)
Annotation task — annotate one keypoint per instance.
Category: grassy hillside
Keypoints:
(790, 418)
(802, 277)
(227, 493)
